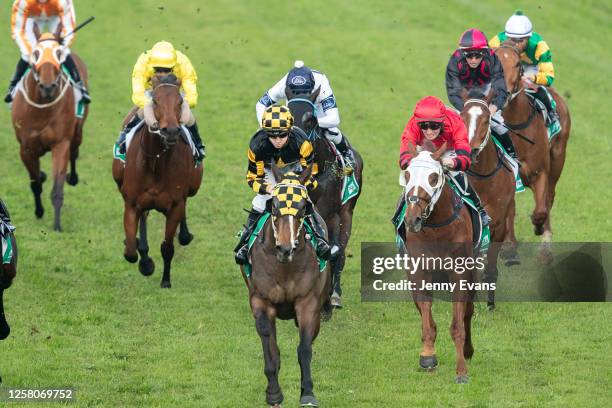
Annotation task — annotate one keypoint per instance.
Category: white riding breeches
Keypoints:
(259, 201)
(333, 135)
(498, 125)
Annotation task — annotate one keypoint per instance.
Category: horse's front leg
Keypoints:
(308, 315)
(130, 224)
(184, 236)
(146, 266)
(31, 161)
(173, 217)
(59, 166)
(427, 358)
(265, 323)
(457, 332)
(73, 177)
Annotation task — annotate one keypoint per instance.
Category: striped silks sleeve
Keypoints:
(306, 159)
(255, 174)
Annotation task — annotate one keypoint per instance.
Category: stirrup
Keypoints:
(242, 255)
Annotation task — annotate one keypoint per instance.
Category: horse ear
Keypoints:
(58, 32)
(155, 81)
(315, 94)
(178, 82)
(276, 173)
(436, 155)
(428, 146)
(305, 175)
(36, 30)
(289, 93)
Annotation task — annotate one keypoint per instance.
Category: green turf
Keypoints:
(83, 317)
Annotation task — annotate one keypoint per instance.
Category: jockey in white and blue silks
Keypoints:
(304, 80)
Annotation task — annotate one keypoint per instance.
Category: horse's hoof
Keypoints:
(131, 258)
(165, 285)
(73, 179)
(512, 260)
(308, 401)
(428, 362)
(538, 229)
(42, 176)
(5, 330)
(39, 212)
(491, 306)
(275, 400)
(57, 228)
(336, 300)
(462, 379)
(185, 239)
(326, 312)
(146, 266)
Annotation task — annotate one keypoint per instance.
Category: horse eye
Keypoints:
(433, 179)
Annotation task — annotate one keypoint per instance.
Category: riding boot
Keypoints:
(20, 69)
(197, 140)
(543, 95)
(506, 142)
(121, 142)
(484, 217)
(74, 74)
(347, 153)
(323, 249)
(242, 249)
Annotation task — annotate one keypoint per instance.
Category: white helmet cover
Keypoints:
(518, 26)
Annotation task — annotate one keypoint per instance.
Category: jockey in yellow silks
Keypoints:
(162, 60)
(47, 15)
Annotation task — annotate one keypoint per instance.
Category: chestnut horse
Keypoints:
(491, 177)
(542, 161)
(43, 113)
(436, 215)
(160, 174)
(327, 196)
(7, 274)
(286, 282)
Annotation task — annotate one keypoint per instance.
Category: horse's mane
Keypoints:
(476, 93)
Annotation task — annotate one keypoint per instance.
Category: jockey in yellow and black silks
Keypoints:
(281, 143)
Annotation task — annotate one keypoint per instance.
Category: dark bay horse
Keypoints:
(286, 282)
(160, 174)
(327, 196)
(7, 274)
(435, 214)
(491, 177)
(542, 161)
(43, 114)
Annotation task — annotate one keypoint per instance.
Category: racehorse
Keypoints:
(286, 282)
(542, 161)
(160, 174)
(44, 119)
(435, 215)
(491, 177)
(7, 274)
(327, 196)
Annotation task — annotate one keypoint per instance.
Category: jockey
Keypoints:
(536, 58)
(472, 65)
(435, 122)
(162, 60)
(280, 142)
(6, 229)
(303, 80)
(46, 14)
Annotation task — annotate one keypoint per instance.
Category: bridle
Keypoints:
(312, 133)
(157, 131)
(518, 88)
(294, 235)
(413, 185)
(472, 118)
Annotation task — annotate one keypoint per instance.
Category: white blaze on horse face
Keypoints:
(291, 232)
(474, 112)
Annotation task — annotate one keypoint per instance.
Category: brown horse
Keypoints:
(542, 161)
(43, 113)
(327, 196)
(491, 177)
(160, 174)
(7, 274)
(435, 214)
(286, 283)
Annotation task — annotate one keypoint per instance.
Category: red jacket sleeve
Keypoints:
(410, 136)
(460, 142)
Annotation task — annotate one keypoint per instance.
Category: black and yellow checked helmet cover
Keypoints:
(277, 120)
(290, 194)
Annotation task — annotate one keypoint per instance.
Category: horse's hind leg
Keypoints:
(509, 252)
(265, 324)
(307, 312)
(468, 348)
(31, 161)
(458, 333)
(59, 159)
(5, 329)
(173, 218)
(184, 236)
(73, 177)
(146, 266)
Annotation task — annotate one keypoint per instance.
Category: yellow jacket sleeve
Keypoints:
(494, 42)
(188, 77)
(140, 78)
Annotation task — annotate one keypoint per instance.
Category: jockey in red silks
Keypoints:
(435, 122)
